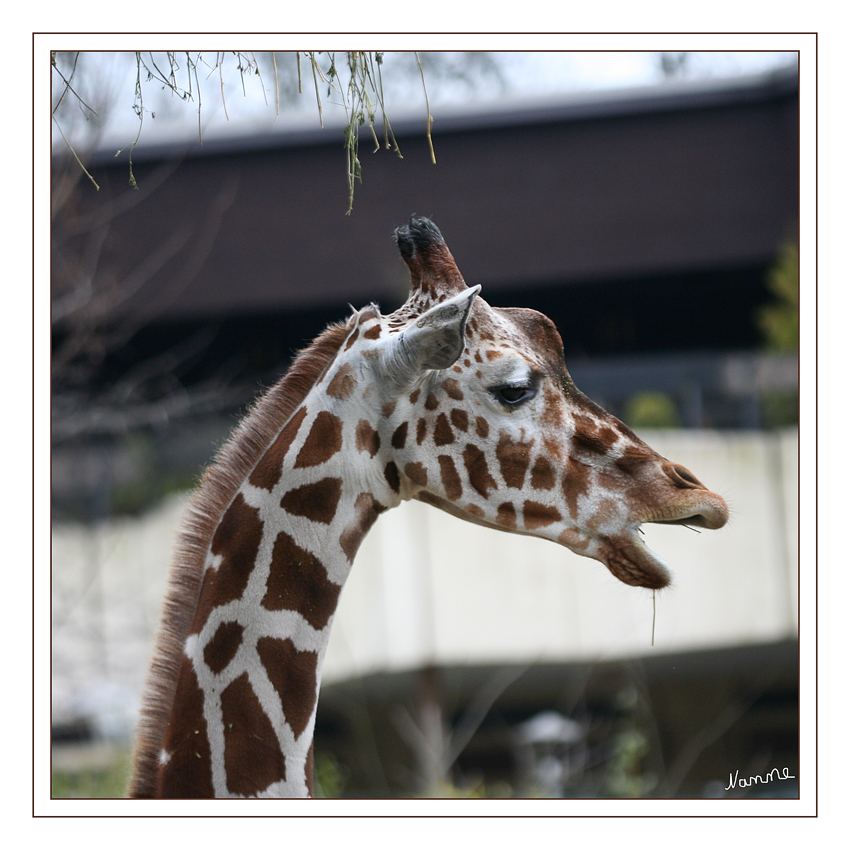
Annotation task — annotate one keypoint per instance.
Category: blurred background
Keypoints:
(646, 202)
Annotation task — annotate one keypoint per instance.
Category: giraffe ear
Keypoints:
(433, 341)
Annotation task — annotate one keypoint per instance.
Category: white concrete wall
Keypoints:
(108, 583)
(428, 588)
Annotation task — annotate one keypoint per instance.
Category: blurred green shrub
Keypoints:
(652, 410)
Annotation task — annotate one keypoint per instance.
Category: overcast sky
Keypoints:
(249, 102)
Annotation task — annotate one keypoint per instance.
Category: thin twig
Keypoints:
(360, 96)
(277, 84)
(221, 79)
(198, 84)
(139, 106)
(653, 618)
(256, 66)
(70, 88)
(74, 154)
(427, 109)
(318, 94)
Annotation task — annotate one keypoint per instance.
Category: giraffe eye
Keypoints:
(514, 395)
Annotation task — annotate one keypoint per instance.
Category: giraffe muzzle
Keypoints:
(687, 502)
(700, 508)
(711, 517)
(695, 505)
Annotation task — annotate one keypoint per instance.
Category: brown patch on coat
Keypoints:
(392, 477)
(606, 509)
(552, 416)
(292, 673)
(574, 484)
(506, 515)
(542, 474)
(482, 427)
(421, 431)
(460, 419)
(252, 756)
(475, 462)
(267, 472)
(417, 474)
(343, 383)
(188, 772)
(237, 540)
(555, 450)
(223, 646)
(352, 339)
(514, 459)
(316, 501)
(574, 539)
(536, 515)
(443, 434)
(593, 437)
(366, 510)
(323, 441)
(450, 478)
(453, 389)
(299, 582)
(399, 437)
(366, 438)
(431, 402)
(633, 458)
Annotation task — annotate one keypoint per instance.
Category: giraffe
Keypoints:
(448, 400)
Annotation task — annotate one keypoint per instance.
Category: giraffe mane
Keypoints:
(217, 488)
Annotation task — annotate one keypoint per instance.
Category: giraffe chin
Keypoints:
(631, 561)
(628, 558)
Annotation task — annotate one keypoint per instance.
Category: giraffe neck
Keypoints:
(267, 543)
(244, 711)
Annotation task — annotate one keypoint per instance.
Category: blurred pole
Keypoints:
(431, 751)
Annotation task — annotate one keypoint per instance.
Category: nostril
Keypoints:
(682, 477)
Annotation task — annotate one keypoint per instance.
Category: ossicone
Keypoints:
(420, 235)
(433, 271)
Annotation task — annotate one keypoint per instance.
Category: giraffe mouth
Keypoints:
(631, 561)
(711, 513)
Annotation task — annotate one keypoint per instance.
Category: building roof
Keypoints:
(596, 187)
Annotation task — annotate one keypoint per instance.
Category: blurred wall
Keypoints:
(428, 589)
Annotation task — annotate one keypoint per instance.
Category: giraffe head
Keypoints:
(479, 416)
(464, 406)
